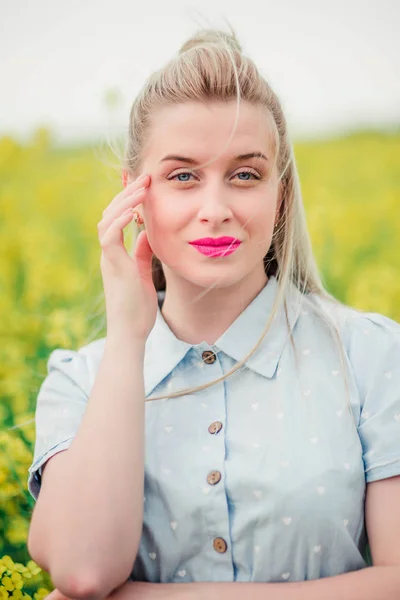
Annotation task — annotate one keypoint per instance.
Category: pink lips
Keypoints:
(222, 246)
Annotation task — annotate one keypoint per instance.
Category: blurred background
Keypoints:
(69, 73)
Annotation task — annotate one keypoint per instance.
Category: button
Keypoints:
(209, 357)
(214, 477)
(215, 427)
(220, 545)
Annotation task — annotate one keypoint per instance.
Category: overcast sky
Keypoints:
(334, 64)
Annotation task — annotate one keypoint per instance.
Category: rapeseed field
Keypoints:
(50, 283)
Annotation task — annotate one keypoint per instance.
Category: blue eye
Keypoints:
(254, 175)
(184, 175)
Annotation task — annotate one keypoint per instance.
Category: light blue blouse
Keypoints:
(261, 477)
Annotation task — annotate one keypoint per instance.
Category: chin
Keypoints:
(218, 280)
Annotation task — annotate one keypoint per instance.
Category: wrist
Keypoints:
(125, 349)
(123, 344)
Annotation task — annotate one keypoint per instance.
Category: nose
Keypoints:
(214, 205)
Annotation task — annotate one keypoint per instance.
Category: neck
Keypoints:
(195, 316)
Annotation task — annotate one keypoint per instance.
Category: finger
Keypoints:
(134, 200)
(142, 181)
(143, 257)
(113, 238)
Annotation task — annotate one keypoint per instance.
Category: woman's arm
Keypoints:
(372, 583)
(88, 520)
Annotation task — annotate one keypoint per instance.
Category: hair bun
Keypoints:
(211, 36)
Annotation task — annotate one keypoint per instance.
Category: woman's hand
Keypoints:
(130, 295)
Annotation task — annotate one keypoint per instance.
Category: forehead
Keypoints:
(205, 128)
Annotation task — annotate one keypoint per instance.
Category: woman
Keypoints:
(237, 423)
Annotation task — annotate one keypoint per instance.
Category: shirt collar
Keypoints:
(164, 350)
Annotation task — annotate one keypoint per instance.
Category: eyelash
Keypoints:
(255, 175)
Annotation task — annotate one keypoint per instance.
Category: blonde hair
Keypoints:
(211, 66)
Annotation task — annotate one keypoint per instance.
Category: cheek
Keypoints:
(163, 213)
(259, 215)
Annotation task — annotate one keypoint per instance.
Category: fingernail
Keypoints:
(142, 177)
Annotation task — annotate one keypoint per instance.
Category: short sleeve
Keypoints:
(375, 356)
(60, 405)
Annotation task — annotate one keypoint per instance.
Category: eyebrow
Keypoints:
(191, 161)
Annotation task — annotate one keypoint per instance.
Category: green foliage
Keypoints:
(50, 203)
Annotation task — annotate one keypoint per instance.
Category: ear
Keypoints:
(124, 177)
